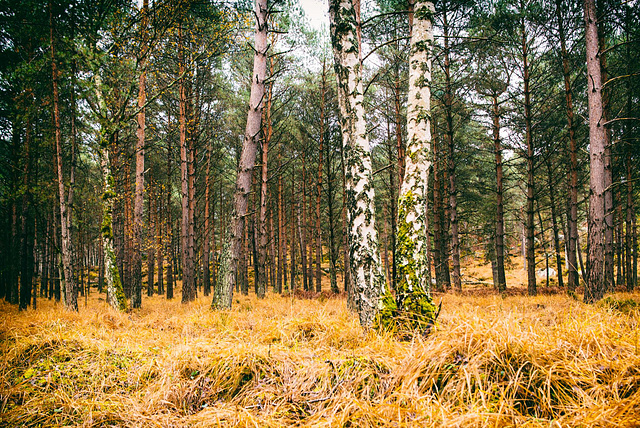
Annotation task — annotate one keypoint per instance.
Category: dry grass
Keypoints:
(548, 361)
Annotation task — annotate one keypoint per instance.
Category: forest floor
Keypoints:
(545, 361)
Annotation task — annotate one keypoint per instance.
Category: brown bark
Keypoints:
(453, 200)
(168, 247)
(554, 223)
(136, 262)
(206, 269)
(319, 183)
(572, 220)
(229, 268)
(188, 280)
(70, 289)
(594, 289)
(501, 280)
(282, 239)
(151, 249)
(264, 176)
(529, 223)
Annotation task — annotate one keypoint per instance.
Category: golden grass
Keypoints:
(548, 361)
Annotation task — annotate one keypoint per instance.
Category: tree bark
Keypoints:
(366, 272)
(413, 308)
(501, 280)
(594, 289)
(323, 91)
(151, 241)
(229, 265)
(554, 222)
(136, 262)
(70, 288)
(206, 268)
(261, 264)
(453, 200)
(530, 210)
(572, 220)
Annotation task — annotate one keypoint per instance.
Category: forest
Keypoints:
(319, 213)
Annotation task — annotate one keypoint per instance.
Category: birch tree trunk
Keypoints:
(115, 293)
(366, 271)
(413, 308)
(222, 297)
(594, 289)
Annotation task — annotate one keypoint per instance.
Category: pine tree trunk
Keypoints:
(207, 230)
(282, 239)
(530, 211)
(151, 251)
(231, 254)
(501, 280)
(554, 223)
(451, 167)
(261, 264)
(70, 288)
(572, 220)
(319, 184)
(594, 289)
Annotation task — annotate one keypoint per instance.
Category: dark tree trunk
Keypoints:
(501, 280)
(597, 150)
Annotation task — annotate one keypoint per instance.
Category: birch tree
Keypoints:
(413, 307)
(367, 281)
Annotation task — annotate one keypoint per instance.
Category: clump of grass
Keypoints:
(491, 361)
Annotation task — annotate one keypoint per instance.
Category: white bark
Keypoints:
(367, 279)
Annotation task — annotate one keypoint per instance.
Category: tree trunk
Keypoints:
(572, 220)
(319, 183)
(453, 200)
(594, 289)
(366, 272)
(207, 230)
(529, 223)
(282, 240)
(554, 222)
(70, 288)
(229, 265)
(261, 264)
(413, 308)
(302, 226)
(501, 280)
(151, 251)
(136, 262)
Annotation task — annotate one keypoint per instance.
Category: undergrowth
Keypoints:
(491, 361)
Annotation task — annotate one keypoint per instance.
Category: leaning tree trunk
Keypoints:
(231, 253)
(366, 271)
(594, 289)
(413, 308)
(70, 288)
